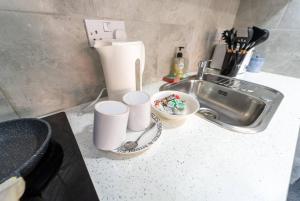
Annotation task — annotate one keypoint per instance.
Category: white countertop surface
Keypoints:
(200, 160)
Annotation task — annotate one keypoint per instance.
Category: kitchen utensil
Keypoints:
(228, 36)
(262, 39)
(246, 39)
(23, 143)
(110, 123)
(139, 110)
(232, 38)
(192, 105)
(44, 172)
(236, 43)
(257, 33)
(231, 68)
(133, 144)
(250, 34)
(259, 36)
(244, 35)
(149, 138)
(123, 66)
(225, 36)
(12, 189)
(238, 48)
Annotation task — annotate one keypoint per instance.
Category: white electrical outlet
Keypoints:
(104, 29)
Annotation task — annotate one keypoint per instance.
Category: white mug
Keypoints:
(139, 110)
(110, 124)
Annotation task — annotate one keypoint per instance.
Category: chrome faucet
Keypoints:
(201, 68)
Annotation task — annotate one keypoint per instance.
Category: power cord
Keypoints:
(85, 109)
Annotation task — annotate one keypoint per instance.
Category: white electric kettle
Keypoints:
(123, 66)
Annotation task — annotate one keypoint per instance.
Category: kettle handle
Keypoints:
(138, 82)
(139, 68)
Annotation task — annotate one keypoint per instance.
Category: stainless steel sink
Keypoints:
(231, 103)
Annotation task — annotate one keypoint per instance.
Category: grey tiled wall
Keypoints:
(45, 61)
(282, 18)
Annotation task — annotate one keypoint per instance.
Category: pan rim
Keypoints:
(35, 158)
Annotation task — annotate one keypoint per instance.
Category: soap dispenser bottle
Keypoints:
(179, 64)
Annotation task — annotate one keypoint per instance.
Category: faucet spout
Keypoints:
(201, 68)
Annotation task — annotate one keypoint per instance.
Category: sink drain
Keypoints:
(208, 113)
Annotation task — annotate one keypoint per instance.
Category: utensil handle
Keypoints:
(145, 131)
(12, 189)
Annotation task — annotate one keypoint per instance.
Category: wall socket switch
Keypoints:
(104, 30)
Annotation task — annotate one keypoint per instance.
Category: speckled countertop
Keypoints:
(200, 160)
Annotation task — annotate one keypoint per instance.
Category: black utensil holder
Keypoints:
(231, 64)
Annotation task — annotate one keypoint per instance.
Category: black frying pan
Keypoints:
(23, 142)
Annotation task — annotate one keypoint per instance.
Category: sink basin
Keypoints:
(231, 103)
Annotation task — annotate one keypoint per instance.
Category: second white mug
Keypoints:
(139, 110)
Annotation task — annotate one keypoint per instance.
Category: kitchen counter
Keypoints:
(200, 160)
